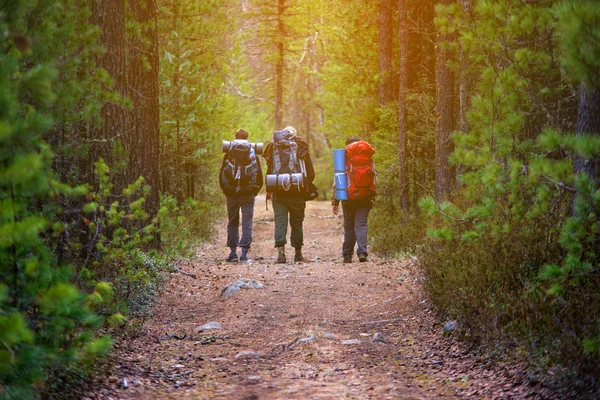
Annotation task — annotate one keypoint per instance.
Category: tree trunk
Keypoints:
(144, 140)
(588, 122)
(466, 74)
(444, 176)
(386, 34)
(402, 109)
(424, 150)
(279, 66)
(109, 16)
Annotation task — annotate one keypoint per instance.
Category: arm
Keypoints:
(223, 163)
(259, 177)
(335, 203)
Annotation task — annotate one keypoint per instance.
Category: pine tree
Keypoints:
(45, 323)
(194, 116)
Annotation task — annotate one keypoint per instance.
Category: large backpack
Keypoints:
(240, 171)
(288, 171)
(361, 171)
(285, 153)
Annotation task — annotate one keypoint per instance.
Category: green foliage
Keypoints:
(514, 256)
(349, 75)
(184, 226)
(580, 38)
(195, 114)
(115, 250)
(45, 323)
(409, 228)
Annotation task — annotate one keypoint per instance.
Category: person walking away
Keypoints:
(362, 189)
(290, 172)
(240, 178)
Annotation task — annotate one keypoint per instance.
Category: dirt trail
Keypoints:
(286, 340)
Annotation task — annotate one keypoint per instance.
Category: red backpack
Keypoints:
(361, 171)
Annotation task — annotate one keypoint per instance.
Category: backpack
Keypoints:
(239, 173)
(361, 171)
(285, 154)
(288, 172)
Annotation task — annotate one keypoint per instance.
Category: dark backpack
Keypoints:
(288, 172)
(285, 154)
(239, 173)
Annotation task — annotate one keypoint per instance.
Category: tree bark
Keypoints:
(444, 176)
(279, 66)
(109, 16)
(144, 140)
(466, 75)
(588, 122)
(386, 34)
(402, 107)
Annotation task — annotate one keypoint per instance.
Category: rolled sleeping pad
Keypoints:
(340, 177)
(284, 182)
(258, 147)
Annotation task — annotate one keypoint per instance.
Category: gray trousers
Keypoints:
(244, 203)
(294, 207)
(356, 214)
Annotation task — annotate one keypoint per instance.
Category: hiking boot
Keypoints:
(280, 255)
(347, 259)
(232, 257)
(244, 256)
(362, 257)
(298, 256)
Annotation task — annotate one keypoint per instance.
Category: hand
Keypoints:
(269, 195)
(335, 209)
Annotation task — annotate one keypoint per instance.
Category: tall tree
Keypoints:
(192, 117)
(588, 123)
(466, 72)
(386, 43)
(279, 64)
(402, 106)
(109, 15)
(444, 176)
(143, 137)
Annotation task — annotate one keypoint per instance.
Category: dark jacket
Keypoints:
(257, 186)
(303, 154)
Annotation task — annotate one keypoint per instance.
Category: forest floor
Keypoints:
(307, 334)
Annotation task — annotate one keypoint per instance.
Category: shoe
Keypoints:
(232, 257)
(244, 256)
(347, 259)
(298, 256)
(362, 257)
(281, 255)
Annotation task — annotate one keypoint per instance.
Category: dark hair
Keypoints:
(352, 139)
(241, 134)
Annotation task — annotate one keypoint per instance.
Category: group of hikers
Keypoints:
(289, 182)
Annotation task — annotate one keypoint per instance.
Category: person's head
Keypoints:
(241, 134)
(352, 139)
(290, 129)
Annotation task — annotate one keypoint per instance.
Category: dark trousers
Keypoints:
(234, 205)
(294, 207)
(356, 214)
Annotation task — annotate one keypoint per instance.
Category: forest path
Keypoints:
(259, 353)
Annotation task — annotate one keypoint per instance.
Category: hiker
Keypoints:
(362, 190)
(240, 178)
(290, 173)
